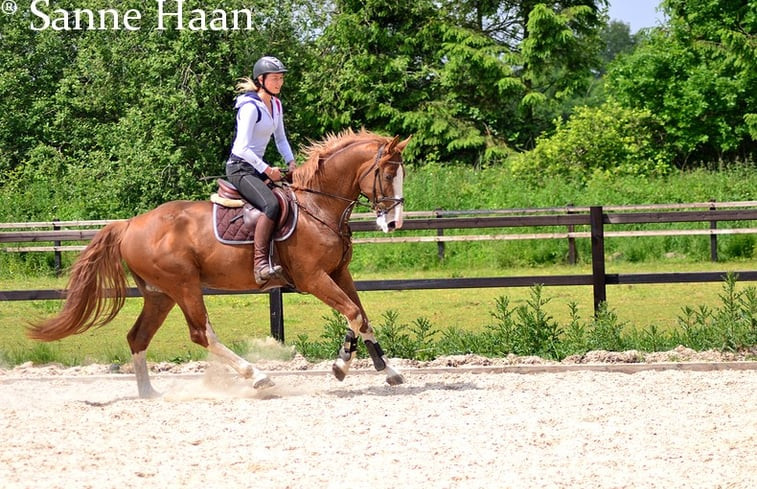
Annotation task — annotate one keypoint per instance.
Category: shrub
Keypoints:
(608, 139)
(729, 327)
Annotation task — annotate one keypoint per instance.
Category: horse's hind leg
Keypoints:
(154, 311)
(259, 379)
(202, 333)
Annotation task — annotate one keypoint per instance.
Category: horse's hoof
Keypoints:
(395, 379)
(263, 383)
(152, 394)
(338, 372)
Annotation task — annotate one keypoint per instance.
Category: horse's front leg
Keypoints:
(359, 326)
(393, 375)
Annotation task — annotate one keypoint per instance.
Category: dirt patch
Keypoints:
(84, 427)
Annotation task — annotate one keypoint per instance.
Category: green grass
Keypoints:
(241, 318)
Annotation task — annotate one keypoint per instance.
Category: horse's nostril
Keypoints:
(392, 226)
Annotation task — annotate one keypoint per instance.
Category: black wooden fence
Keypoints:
(593, 219)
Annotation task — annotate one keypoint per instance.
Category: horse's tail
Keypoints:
(96, 288)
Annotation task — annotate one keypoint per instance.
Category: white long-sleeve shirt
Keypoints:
(255, 125)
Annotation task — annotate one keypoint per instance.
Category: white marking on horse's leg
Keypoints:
(242, 366)
(393, 374)
(143, 377)
(348, 351)
(341, 368)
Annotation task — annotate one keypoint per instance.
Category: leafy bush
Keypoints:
(332, 339)
(605, 140)
(533, 333)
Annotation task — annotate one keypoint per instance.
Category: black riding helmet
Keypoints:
(264, 66)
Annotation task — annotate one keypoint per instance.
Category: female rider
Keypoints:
(260, 115)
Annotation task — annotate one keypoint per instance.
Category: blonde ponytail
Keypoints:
(246, 84)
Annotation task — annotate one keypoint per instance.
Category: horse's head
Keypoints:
(350, 164)
(382, 183)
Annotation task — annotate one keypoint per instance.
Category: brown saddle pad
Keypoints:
(236, 225)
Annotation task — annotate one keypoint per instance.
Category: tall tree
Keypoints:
(469, 79)
(616, 39)
(113, 121)
(699, 77)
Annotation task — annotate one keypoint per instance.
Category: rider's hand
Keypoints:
(273, 173)
(292, 165)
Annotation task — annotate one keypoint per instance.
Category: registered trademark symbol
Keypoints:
(9, 7)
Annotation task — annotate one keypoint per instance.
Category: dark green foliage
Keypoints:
(609, 139)
(396, 336)
(398, 340)
(698, 77)
(574, 338)
(107, 123)
(526, 330)
(605, 331)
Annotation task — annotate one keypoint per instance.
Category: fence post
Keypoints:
(276, 306)
(56, 252)
(713, 237)
(571, 241)
(439, 232)
(598, 257)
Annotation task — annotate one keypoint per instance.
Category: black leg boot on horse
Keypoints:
(262, 268)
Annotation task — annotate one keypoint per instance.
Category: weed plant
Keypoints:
(528, 330)
(729, 327)
(525, 329)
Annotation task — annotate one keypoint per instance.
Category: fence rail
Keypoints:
(595, 218)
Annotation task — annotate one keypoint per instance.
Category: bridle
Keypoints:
(342, 229)
(377, 204)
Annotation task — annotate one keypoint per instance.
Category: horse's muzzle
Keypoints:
(390, 221)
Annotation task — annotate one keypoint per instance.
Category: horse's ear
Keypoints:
(392, 144)
(401, 146)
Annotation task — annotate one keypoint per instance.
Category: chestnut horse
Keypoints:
(172, 254)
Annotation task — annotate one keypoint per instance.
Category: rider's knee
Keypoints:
(272, 209)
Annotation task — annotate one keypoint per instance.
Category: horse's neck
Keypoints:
(339, 184)
(333, 199)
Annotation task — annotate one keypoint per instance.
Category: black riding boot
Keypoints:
(262, 270)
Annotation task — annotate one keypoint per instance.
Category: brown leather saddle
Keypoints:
(234, 218)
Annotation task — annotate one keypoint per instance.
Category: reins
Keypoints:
(345, 214)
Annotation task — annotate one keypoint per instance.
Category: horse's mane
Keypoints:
(318, 151)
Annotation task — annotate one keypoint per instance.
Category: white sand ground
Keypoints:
(468, 426)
